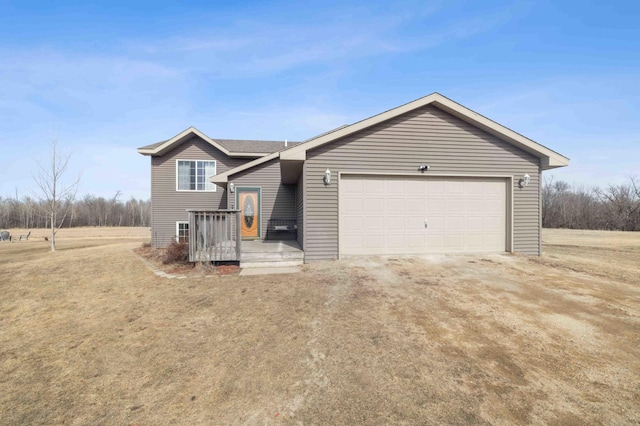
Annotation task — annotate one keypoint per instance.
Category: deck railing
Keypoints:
(214, 235)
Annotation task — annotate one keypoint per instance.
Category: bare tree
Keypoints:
(56, 198)
(623, 204)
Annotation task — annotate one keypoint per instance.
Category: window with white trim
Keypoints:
(193, 175)
(182, 232)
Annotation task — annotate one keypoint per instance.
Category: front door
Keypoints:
(248, 201)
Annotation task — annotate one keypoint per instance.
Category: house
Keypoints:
(180, 172)
(429, 176)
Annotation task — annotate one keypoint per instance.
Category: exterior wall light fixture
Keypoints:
(522, 183)
(327, 177)
(232, 187)
(423, 168)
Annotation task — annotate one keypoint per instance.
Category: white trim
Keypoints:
(223, 178)
(550, 159)
(510, 201)
(180, 137)
(178, 223)
(215, 166)
(428, 174)
(509, 196)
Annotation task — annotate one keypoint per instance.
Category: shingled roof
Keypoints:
(231, 147)
(267, 147)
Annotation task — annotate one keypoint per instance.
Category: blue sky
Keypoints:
(107, 77)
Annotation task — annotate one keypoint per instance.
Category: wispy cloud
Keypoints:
(249, 48)
(282, 74)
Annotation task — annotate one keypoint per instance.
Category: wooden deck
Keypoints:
(214, 235)
(224, 251)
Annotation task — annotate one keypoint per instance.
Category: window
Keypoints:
(193, 175)
(182, 232)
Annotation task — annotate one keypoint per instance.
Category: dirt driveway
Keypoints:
(88, 335)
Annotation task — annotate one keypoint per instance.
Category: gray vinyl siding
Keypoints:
(278, 200)
(300, 210)
(424, 136)
(168, 205)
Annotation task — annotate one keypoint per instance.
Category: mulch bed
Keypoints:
(157, 256)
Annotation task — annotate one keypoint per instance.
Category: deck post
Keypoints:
(211, 236)
(238, 236)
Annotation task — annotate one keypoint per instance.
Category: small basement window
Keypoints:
(182, 232)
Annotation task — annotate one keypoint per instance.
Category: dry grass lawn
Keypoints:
(89, 335)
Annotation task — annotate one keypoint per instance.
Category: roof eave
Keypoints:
(224, 177)
(248, 154)
(179, 138)
(554, 162)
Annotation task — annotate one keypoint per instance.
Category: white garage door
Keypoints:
(391, 215)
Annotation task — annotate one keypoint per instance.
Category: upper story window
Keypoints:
(193, 175)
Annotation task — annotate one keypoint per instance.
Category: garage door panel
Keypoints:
(353, 224)
(474, 204)
(352, 242)
(494, 242)
(416, 241)
(415, 223)
(435, 187)
(473, 224)
(493, 206)
(351, 186)
(395, 223)
(395, 206)
(455, 205)
(416, 188)
(455, 187)
(415, 205)
(396, 241)
(373, 243)
(395, 186)
(435, 205)
(373, 205)
(436, 243)
(373, 186)
(388, 215)
(474, 188)
(494, 223)
(353, 206)
(474, 242)
(454, 242)
(436, 223)
(372, 223)
(455, 224)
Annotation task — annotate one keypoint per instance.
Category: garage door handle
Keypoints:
(425, 223)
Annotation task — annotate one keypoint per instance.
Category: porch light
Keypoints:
(232, 187)
(327, 177)
(522, 183)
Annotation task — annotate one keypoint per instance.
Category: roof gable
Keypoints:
(549, 158)
(230, 147)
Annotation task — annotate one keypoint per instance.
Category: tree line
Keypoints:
(86, 211)
(614, 207)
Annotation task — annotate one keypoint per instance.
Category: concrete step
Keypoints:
(271, 264)
(269, 271)
(272, 256)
